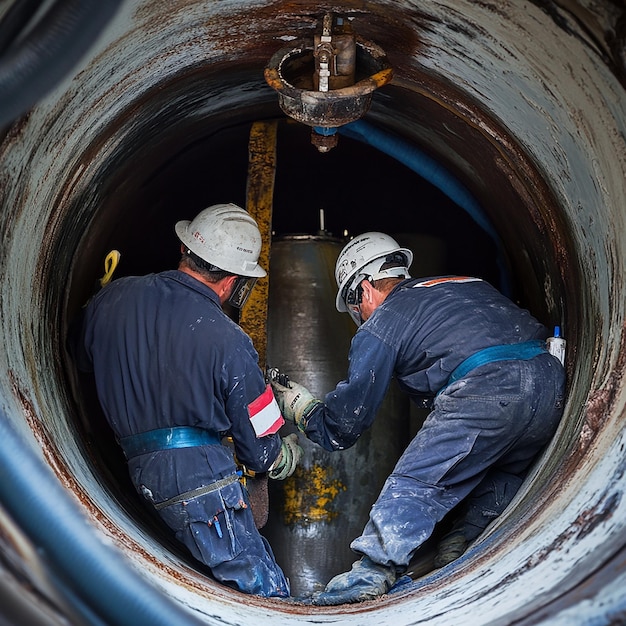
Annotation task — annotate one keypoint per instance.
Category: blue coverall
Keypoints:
(164, 355)
(484, 429)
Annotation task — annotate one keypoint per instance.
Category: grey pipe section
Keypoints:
(16, 18)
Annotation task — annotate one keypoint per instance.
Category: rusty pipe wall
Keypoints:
(524, 105)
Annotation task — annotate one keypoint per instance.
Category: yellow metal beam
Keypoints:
(259, 203)
(253, 316)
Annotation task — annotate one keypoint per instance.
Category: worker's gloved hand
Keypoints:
(288, 458)
(295, 402)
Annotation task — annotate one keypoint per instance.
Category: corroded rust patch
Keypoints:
(259, 203)
(310, 495)
(601, 402)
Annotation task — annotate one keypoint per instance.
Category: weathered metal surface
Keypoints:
(316, 513)
(290, 72)
(519, 106)
(259, 203)
(253, 317)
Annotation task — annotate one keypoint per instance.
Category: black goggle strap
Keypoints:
(354, 295)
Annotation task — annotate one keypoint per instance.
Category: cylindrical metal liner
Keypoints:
(316, 513)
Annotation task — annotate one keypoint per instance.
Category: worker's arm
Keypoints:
(351, 407)
(252, 411)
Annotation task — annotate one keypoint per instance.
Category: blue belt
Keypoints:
(508, 352)
(166, 439)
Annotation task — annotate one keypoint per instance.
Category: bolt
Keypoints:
(324, 143)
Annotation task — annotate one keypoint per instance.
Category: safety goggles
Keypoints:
(352, 293)
(353, 296)
(241, 291)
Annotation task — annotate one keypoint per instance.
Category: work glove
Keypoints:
(288, 457)
(295, 402)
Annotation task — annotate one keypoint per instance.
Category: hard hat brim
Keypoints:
(182, 232)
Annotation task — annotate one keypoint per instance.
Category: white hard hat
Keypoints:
(225, 236)
(365, 257)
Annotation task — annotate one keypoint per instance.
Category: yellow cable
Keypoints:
(110, 264)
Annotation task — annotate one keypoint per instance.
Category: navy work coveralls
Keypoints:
(484, 429)
(165, 355)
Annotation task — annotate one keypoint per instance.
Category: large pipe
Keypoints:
(495, 96)
(315, 514)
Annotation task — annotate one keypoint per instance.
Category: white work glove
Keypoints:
(295, 402)
(287, 459)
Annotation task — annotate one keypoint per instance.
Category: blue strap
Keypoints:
(508, 352)
(166, 439)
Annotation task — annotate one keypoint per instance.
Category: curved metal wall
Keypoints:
(524, 105)
(315, 514)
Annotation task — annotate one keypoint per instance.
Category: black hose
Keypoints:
(31, 66)
(15, 21)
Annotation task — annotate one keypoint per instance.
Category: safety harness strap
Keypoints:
(200, 491)
(166, 439)
(508, 352)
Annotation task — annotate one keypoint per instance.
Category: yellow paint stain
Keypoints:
(310, 495)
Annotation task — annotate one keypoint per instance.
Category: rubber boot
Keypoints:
(457, 540)
(365, 581)
(451, 547)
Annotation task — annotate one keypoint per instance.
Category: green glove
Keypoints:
(295, 402)
(287, 459)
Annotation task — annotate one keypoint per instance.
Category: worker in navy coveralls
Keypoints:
(175, 375)
(497, 397)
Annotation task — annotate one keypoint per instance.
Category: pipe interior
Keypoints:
(179, 144)
(198, 170)
(198, 164)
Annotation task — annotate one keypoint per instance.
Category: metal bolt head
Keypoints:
(324, 143)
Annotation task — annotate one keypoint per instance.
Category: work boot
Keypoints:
(365, 581)
(451, 547)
